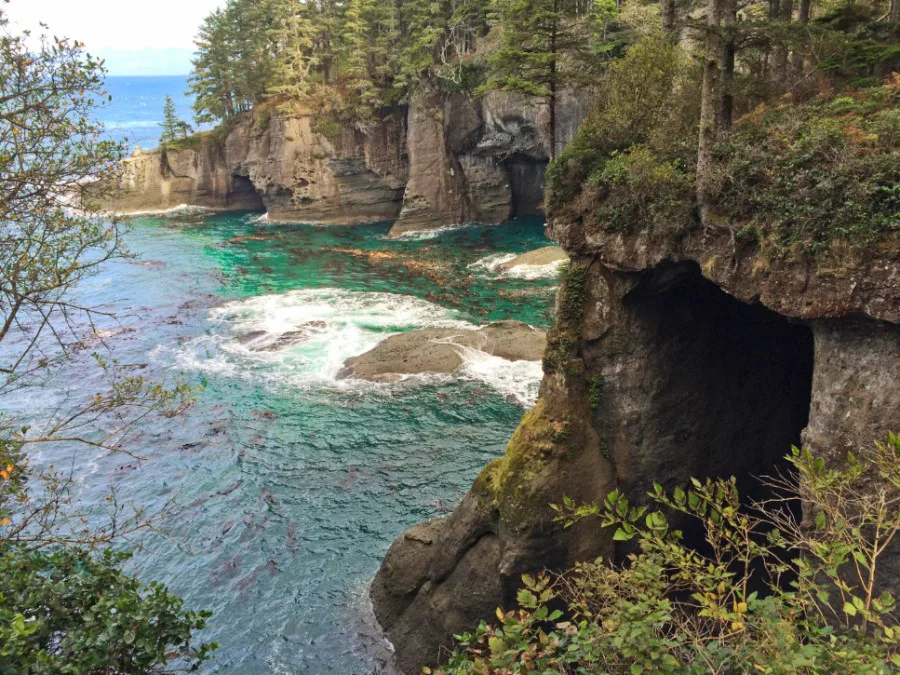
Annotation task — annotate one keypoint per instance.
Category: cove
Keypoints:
(291, 485)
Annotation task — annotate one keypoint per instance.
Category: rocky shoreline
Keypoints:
(443, 160)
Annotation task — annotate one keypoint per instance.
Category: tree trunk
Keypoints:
(771, 15)
(802, 18)
(668, 15)
(784, 12)
(729, 22)
(551, 99)
(710, 102)
(894, 14)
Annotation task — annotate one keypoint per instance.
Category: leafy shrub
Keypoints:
(818, 174)
(70, 611)
(646, 99)
(766, 593)
(636, 188)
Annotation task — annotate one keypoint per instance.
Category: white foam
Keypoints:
(548, 271)
(496, 264)
(180, 210)
(422, 235)
(520, 380)
(493, 263)
(335, 325)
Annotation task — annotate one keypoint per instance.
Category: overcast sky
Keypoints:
(146, 37)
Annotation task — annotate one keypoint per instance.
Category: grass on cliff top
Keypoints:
(804, 178)
(819, 174)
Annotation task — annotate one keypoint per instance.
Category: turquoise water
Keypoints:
(290, 483)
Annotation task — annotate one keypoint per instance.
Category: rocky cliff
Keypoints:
(445, 159)
(679, 354)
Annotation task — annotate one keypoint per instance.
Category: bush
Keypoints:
(646, 100)
(817, 175)
(766, 594)
(70, 611)
(636, 188)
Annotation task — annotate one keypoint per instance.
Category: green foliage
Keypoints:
(63, 608)
(812, 178)
(173, 129)
(636, 187)
(642, 103)
(293, 33)
(352, 58)
(596, 387)
(856, 47)
(817, 175)
(71, 611)
(563, 338)
(360, 56)
(738, 605)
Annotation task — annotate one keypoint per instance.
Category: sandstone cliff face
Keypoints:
(673, 356)
(446, 159)
(479, 160)
(284, 166)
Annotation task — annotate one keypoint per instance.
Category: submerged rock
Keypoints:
(541, 256)
(262, 341)
(442, 350)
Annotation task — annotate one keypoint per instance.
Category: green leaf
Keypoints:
(526, 599)
(849, 609)
(621, 535)
(497, 645)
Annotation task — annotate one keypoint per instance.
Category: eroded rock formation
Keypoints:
(283, 166)
(445, 159)
(674, 355)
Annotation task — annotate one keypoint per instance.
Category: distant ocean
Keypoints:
(136, 109)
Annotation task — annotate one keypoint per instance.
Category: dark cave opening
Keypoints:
(244, 194)
(526, 182)
(731, 385)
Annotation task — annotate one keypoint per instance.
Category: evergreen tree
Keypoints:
(357, 35)
(170, 124)
(212, 81)
(537, 38)
(294, 36)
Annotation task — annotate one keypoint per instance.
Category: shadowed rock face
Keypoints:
(670, 358)
(442, 350)
(479, 160)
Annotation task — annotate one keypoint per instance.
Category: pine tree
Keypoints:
(212, 81)
(294, 36)
(170, 124)
(537, 38)
(357, 36)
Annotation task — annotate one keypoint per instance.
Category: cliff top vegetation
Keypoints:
(803, 156)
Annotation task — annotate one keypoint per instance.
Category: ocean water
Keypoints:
(291, 484)
(135, 112)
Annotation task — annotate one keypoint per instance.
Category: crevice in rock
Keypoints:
(526, 182)
(245, 193)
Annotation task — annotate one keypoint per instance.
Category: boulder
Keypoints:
(442, 350)
(541, 256)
